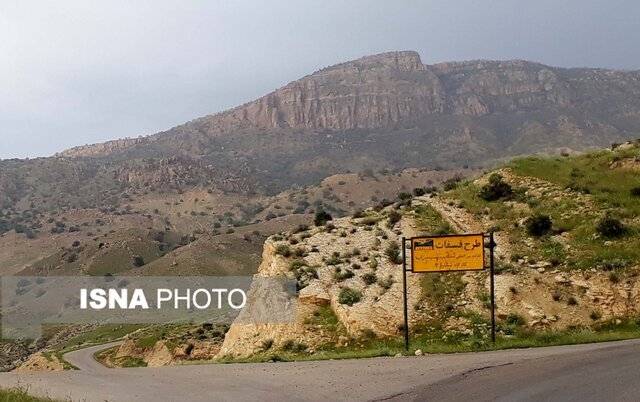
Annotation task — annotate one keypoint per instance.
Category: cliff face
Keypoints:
(367, 93)
(383, 90)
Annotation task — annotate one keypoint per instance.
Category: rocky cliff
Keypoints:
(384, 90)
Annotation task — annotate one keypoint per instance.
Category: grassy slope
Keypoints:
(20, 395)
(573, 180)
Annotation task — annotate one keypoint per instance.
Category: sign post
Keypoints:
(465, 252)
(404, 286)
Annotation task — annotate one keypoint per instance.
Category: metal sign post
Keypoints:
(492, 291)
(404, 286)
(446, 254)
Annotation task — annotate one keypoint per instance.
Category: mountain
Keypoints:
(383, 111)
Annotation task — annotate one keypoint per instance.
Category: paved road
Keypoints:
(596, 372)
(84, 359)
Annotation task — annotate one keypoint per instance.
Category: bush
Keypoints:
(393, 252)
(419, 191)
(515, 319)
(267, 344)
(322, 217)
(394, 217)
(611, 227)
(538, 225)
(288, 345)
(340, 275)
(369, 278)
(635, 192)
(386, 283)
(283, 250)
(496, 189)
(138, 261)
(349, 296)
(451, 184)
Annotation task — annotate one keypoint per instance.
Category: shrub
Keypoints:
(369, 278)
(138, 261)
(611, 227)
(283, 250)
(386, 283)
(288, 345)
(515, 319)
(340, 275)
(635, 192)
(419, 191)
(538, 225)
(496, 189)
(267, 344)
(451, 184)
(333, 260)
(349, 296)
(595, 315)
(394, 217)
(571, 301)
(393, 252)
(321, 218)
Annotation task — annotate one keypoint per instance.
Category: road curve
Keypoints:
(593, 372)
(83, 359)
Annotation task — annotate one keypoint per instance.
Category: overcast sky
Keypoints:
(77, 72)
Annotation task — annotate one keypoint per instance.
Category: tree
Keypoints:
(496, 189)
(539, 225)
(322, 217)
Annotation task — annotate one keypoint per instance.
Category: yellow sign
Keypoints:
(447, 253)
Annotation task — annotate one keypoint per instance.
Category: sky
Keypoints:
(74, 72)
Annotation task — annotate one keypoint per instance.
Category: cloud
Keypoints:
(75, 72)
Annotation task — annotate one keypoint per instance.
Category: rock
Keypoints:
(418, 352)
(541, 270)
(398, 355)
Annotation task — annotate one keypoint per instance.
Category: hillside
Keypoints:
(341, 119)
(575, 278)
(578, 272)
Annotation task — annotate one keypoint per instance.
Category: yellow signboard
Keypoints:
(447, 253)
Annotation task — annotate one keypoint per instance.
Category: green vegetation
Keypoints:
(496, 189)
(321, 218)
(431, 222)
(349, 296)
(393, 252)
(20, 395)
(539, 225)
(588, 200)
(611, 227)
(429, 339)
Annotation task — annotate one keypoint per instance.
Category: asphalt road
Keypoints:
(595, 372)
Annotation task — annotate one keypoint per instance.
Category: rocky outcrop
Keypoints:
(41, 362)
(387, 89)
(366, 93)
(102, 148)
(356, 262)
